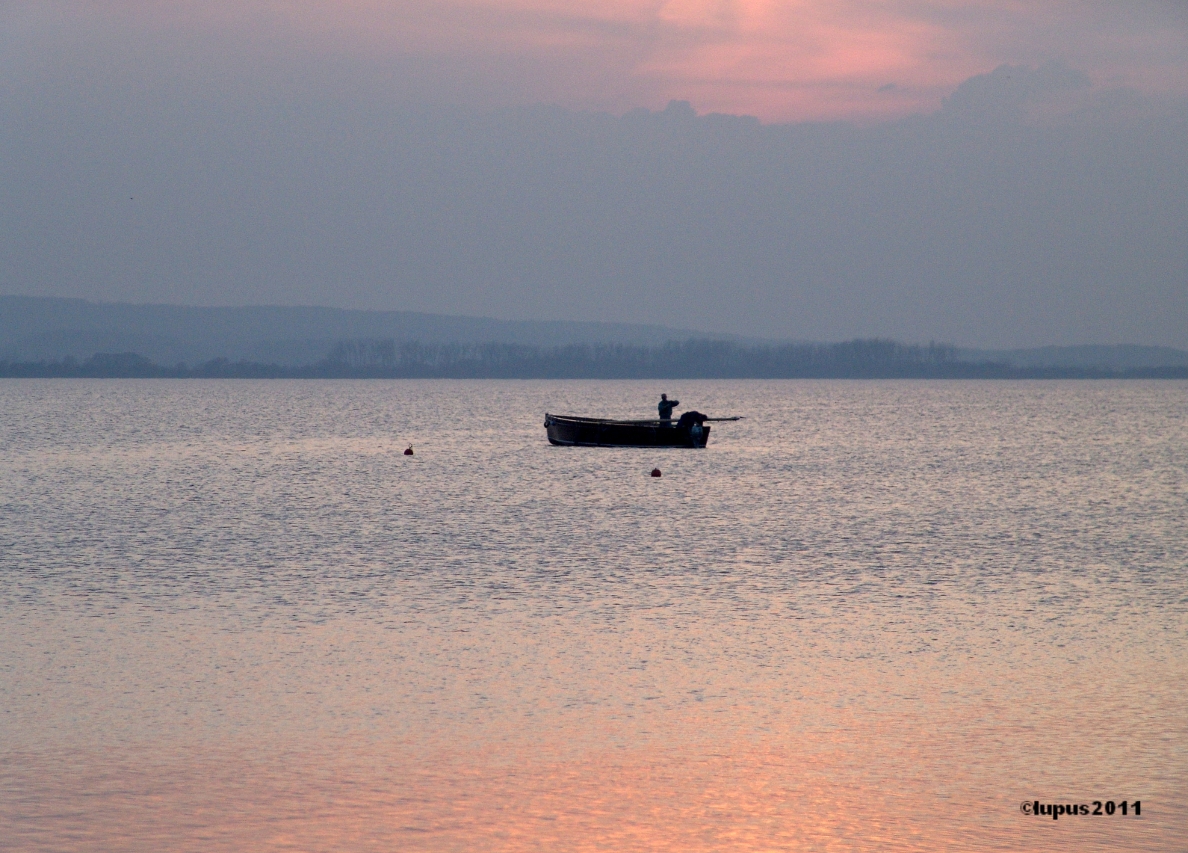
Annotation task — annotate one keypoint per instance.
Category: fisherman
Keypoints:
(666, 406)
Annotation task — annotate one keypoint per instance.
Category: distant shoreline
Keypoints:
(694, 359)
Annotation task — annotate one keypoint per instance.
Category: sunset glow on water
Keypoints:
(869, 616)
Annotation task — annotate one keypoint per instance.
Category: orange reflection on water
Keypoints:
(747, 796)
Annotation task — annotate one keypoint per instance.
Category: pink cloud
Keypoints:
(778, 59)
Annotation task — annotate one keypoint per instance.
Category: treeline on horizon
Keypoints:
(692, 359)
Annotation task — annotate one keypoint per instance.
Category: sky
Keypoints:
(995, 174)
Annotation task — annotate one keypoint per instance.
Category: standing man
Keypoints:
(666, 406)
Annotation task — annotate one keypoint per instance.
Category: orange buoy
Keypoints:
(655, 472)
(408, 452)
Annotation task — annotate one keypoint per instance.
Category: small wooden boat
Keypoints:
(689, 431)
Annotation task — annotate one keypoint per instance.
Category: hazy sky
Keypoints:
(997, 173)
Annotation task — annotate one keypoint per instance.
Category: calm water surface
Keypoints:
(871, 616)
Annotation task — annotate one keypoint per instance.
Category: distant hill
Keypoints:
(1118, 357)
(36, 328)
(690, 359)
(47, 330)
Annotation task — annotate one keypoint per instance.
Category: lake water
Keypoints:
(871, 616)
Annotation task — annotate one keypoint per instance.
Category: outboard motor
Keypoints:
(693, 423)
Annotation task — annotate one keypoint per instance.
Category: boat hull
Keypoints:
(591, 432)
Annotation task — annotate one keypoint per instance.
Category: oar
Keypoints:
(735, 418)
